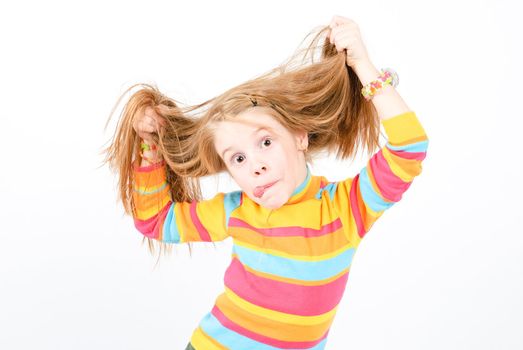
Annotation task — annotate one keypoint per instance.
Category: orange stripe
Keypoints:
(152, 178)
(146, 202)
(362, 208)
(352, 232)
(187, 230)
(410, 166)
(301, 246)
(410, 141)
(270, 328)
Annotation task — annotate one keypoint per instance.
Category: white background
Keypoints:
(442, 269)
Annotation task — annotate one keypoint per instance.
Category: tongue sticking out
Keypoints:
(258, 191)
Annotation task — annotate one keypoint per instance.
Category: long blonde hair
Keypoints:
(321, 96)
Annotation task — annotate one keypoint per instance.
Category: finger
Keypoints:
(158, 121)
(149, 120)
(144, 126)
(149, 111)
(337, 20)
(332, 38)
(332, 23)
(154, 122)
(344, 40)
(163, 109)
(161, 121)
(336, 32)
(146, 136)
(156, 116)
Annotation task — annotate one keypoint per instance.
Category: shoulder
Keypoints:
(325, 187)
(233, 200)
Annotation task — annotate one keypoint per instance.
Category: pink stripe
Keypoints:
(151, 227)
(354, 205)
(149, 167)
(289, 231)
(281, 296)
(409, 155)
(202, 231)
(261, 338)
(389, 185)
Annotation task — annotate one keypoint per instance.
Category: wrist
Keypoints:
(150, 155)
(145, 145)
(366, 72)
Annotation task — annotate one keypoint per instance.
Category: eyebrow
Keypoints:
(253, 133)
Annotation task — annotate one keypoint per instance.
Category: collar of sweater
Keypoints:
(304, 190)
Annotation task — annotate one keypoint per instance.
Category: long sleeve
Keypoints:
(388, 174)
(157, 217)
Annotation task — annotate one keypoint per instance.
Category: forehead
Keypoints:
(246, 122)
(243, 127)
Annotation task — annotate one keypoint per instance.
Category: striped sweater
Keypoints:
(289, 266)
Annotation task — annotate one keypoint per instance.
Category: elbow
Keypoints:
(148, 228)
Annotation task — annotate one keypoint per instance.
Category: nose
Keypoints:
(259, 169)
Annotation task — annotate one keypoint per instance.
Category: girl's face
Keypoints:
(262, 156)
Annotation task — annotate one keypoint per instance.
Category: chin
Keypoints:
(274, 204)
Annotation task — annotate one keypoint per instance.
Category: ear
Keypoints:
(302, 140)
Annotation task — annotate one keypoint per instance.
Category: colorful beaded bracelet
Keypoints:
(147, 147)
(152, 161)
(387, 76)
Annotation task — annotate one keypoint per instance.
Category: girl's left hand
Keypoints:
(345, 35)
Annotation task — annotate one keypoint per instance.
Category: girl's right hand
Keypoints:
(147, 124)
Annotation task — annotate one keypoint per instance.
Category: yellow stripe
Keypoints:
(200, 340)
(276, 315)
(369, 210)
(148, 189)
(396, 169)
(403, 128)
(148, 213)
(352, 233)
(211, 213)
(285, 216)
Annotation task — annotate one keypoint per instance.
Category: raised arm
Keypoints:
(389, 173)
(157, 217)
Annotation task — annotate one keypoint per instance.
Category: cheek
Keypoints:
(238, 176)
(279, 152)
(283, 155)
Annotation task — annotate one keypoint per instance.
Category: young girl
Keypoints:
(294, 233)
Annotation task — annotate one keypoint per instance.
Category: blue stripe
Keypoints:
(370, 197)
(413, 147)
(304, 183)
(331, 187)
(292, 268)
(170, 230)
(231, 201)
(235, 341)
(152, 191)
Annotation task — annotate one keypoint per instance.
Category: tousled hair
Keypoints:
(320, 96)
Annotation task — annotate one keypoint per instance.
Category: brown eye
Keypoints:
(267, 142)
(239, 157)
